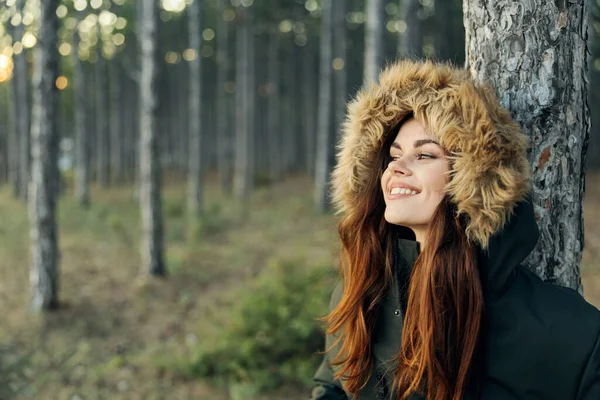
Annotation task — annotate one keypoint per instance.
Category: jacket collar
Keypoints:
(508, 248)
(506, 251)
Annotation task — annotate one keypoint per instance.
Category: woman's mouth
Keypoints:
(403, 191)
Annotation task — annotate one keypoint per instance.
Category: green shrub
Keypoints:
(273, 334)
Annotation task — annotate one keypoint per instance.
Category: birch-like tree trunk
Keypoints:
(19, 86)
(194, 188)
(224, 136)
(374, 30)
(273, 105)
(243, 151)
(81, 137)
(534, 53)
(410, 42)
(152, 250)
(44, 274)
(325, 151)
(101, 117)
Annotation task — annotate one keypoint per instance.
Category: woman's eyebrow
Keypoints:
(418, 143)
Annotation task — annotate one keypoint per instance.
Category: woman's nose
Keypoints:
(399, 167)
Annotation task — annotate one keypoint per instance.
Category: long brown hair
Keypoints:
(445, 299)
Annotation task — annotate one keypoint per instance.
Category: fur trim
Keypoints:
(490, 171)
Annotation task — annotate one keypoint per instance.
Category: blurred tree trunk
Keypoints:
(13, 140)
(410, 42)
(339, 54)
(274, 104)
(3, 151)
(19, 86)
(101, 117)
(224, 137)
(195, 190)
(81, 137)
(325, 152)
(310, 100)
(450, 35)
(534, 54)
(42, 190)
(152, 250)
(243, 179)
(5, 134)
(288, 77)
(116, 137)
(374, 30)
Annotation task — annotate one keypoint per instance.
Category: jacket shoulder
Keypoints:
(561, 302)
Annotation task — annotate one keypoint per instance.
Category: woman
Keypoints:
(434, 186)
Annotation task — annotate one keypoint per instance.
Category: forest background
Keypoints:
(164, 225)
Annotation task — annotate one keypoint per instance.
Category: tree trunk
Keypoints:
(194, 195)
(339, 53)
(374, 40)
(450, 33)
(274, 104)
(42, 190)
(81, 138)
(310, 99)
(101, 118)
(410, 42)
(116, 137)
(534, 54)
(243, 171)
(13, 140)
(150, 183)
(324, 149)
(20, 94)
(224, 136)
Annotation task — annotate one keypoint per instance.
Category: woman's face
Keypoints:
(417, 161)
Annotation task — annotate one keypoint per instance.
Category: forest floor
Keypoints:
(114, 330)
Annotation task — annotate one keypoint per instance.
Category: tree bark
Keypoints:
(81, 138)
(410, 42)
(374, 40)
(195, 173)
(534, 53)
(152, 252)
(325, 151)
(44, 274)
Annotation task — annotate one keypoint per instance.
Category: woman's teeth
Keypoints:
(402, 191)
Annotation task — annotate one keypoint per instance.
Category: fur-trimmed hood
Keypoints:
(490, 173)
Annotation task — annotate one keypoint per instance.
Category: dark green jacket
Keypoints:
(539, 340)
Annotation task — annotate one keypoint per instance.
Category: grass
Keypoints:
(113, 335)
(116, 334)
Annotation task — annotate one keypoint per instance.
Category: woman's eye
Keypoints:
(419, 155)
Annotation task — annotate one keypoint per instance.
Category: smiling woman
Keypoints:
(422, 169)
(419, 268)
